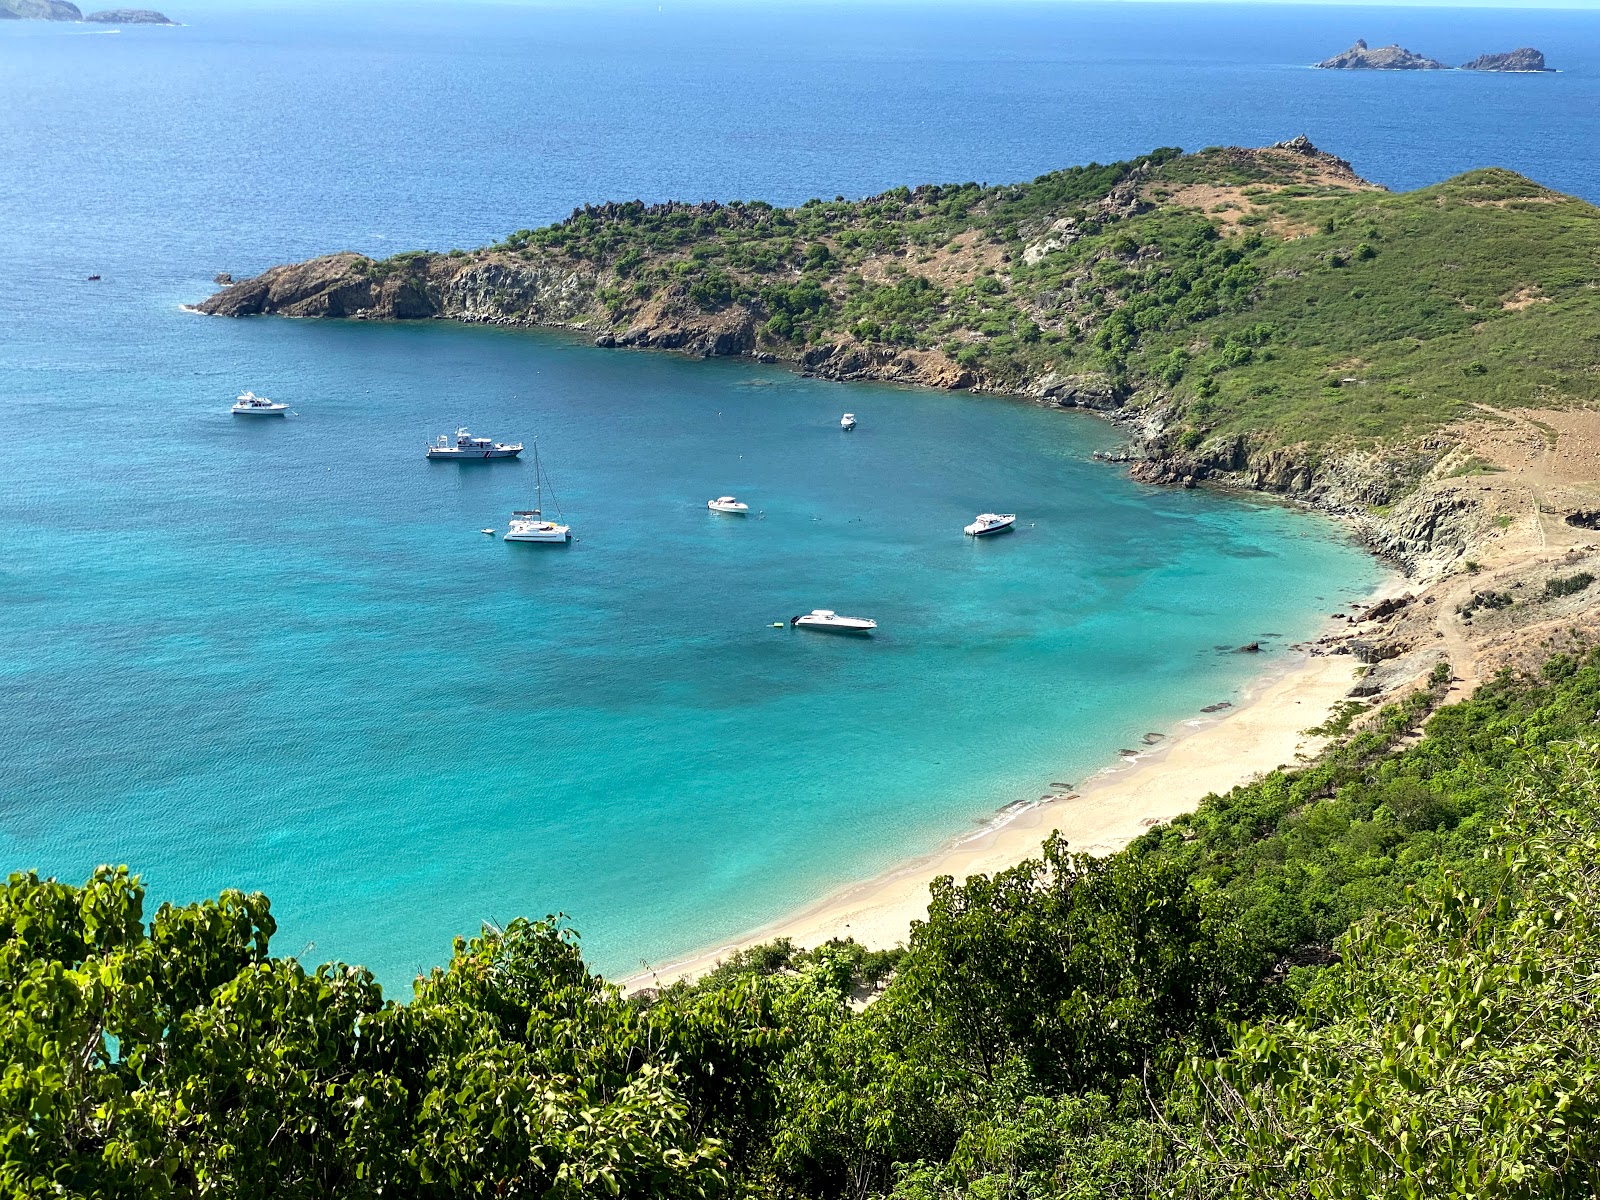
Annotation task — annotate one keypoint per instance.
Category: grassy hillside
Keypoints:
(1374, 976)
(1262, 291)
(1265, 293)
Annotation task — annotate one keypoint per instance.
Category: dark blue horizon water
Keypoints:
(281, 657)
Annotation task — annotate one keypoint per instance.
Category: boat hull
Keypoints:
(831, 626)
(548, 537)
(454, 455)
(261, 412)
(989, 530)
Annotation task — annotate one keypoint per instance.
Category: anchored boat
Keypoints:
(831, 622)
(251, 405)
(727, 504)
(530, 524)
(988, 523)
(467, 448)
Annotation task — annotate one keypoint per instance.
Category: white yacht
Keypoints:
(988, 523)
(727, 504)
(530, 524)
(848, 421)
(467, 448)
(251, 405)
(832, 622)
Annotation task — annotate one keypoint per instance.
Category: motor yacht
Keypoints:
(251, 405)
(828, 620)
(848, 421)
(988, 523)
(467, 448)
(530, 524)
(727, 504)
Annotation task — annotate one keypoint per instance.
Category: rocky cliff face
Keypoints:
(498, 289)
(1361, 57)
(1526, 60)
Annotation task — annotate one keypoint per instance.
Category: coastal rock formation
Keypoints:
(1361, 57)
(41, 10)
(1526, 60)
(129, 16)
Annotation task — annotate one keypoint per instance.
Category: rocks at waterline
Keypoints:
(1526, 61)
(1361, 57)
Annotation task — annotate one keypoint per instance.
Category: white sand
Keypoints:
(1264, 732)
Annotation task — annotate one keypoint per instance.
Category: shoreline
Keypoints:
(1263, 731)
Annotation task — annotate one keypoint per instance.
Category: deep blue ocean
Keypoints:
(280, 656)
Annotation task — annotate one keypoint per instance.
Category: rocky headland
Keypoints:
(1256, 319)
(1362, 57)
(1524, 61)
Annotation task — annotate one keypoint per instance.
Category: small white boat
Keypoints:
(489, 532)
(848, 421)
(530, 524)
(727, 504)
(251, 405)
(467, 448)
(988, 523)
(830, 621)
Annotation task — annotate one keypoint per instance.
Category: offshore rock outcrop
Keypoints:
(1361, 57)
(130, 16)
(1527, 60)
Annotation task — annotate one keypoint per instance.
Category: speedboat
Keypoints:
(467, 448)
(251, 405)
(848, 421)
(529, 524)
(828, 620)
(988, 523)
(727, 504)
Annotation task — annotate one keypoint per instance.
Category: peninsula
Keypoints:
(1262, 318)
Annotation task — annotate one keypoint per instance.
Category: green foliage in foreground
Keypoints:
(1374, 976)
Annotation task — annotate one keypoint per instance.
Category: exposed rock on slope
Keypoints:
(1385, 58)
(1526, 60)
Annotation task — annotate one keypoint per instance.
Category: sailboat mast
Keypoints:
(538, 481)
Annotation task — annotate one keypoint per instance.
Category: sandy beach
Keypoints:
(1265, 730)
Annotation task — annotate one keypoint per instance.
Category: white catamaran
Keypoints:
(529, 524)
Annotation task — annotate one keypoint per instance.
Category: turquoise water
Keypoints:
(278, 655)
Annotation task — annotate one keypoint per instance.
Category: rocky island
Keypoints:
(1361, 57)
(63, 10)
(1524, 61)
